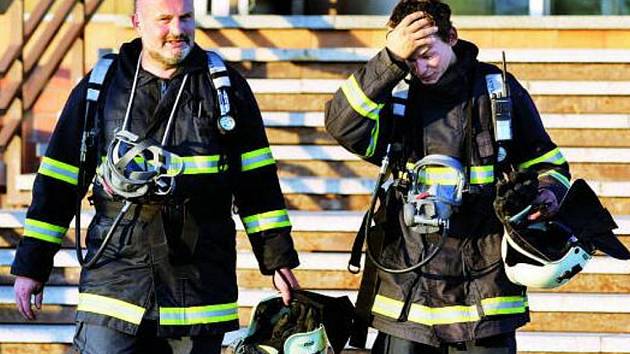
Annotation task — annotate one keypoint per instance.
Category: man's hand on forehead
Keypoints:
(415, 31)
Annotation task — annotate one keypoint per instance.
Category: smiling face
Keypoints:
(429, 64)
(167, 29)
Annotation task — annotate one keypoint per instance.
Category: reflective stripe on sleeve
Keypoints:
(108, 306)
(44, 231)
(266, 221)
(553, 157)
(59, 170)
(359, 101)
(256, 159)
(558, 177)
(182, 316)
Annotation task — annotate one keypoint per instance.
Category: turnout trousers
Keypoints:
(500, 344)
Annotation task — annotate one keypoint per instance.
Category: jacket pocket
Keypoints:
(123, 241)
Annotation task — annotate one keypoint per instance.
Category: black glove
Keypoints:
(515, 193)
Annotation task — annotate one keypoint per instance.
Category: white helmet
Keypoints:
(538, 267)
(548, 254)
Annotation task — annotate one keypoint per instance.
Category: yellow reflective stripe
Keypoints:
(373, 139)
(387, 307)
(358, 100)
(200, 164)
(182, 316)
(59, 170)
(439, 175)
(553, 157)
(193, 165)
(431, 316)
(44, 231)
(442, 315)
(506, 305)
(482, 174)
(558, 177)
(108, 306)
(256, 159)
(448, 176)
(266, 221)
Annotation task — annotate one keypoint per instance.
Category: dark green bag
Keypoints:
(309, 325)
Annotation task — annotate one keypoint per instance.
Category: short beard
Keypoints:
(170, 61)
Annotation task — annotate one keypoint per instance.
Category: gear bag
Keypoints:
(311, 324)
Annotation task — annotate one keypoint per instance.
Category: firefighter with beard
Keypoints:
(177, 140)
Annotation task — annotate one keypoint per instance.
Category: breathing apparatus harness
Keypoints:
(139, 170)
(435, 184)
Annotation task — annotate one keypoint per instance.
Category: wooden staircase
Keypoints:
(577, 72)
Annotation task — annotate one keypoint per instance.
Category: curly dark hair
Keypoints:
(436, 10)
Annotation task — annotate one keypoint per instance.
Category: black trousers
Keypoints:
(501, 344)
(94, 339)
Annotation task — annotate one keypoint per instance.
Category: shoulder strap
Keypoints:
(96, 82)
(221, 82)
(97, 77)
(400, 96)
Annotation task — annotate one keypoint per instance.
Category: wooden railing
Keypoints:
(30, 61)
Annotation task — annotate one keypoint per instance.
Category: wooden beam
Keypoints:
(32, 57)
(36, 17)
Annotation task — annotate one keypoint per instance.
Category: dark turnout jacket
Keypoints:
(463, 293)
(174, 261)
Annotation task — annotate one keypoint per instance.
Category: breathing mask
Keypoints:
(435, 192)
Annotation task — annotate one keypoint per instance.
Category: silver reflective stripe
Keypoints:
(216, 66)
(399, 109)
(97, 77)
(195, 317)
(401, 91)
(108, 306)
(221, 82)
(215, 63)
(93, 94)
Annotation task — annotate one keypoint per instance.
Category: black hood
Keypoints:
(130, 53)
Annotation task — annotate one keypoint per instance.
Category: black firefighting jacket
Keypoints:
(173, 261)
(463, 293)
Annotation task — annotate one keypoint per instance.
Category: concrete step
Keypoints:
(248, 297)
(562, 137)
(543, 342)
(534, 87)
(314, 168)
(363, 54)
(325, 261)
(550, 121)
(340, 70)
(611, 318)
(596, 104)
(594, 283)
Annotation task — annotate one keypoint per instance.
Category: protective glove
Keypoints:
(515, 193)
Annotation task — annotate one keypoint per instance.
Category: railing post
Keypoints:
(219, 7)
(539, 7)
(15, 111)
